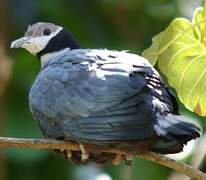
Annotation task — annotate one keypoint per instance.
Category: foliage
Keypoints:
(97, 24)
(179, 53)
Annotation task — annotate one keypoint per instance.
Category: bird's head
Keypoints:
(44, 39)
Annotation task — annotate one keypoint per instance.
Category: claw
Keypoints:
(85, 153)
(129, 159)
(62, 150)
(69, 154)
(117, 160)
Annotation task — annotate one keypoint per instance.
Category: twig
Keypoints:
(73, 146)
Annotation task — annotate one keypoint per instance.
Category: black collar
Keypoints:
(64, 39)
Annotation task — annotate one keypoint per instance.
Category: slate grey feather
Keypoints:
(94, 99)
(102, 97)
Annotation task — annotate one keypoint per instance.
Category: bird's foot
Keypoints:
(69, 154)
(117, 160)
(85, 153)
(129, 159)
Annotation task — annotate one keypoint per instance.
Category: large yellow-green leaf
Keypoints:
(180, 54)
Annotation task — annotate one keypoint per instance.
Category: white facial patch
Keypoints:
(36, 44)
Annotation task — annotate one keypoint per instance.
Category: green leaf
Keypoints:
(180, 54)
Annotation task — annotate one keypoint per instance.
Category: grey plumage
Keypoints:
(102, 97)
(107, 97)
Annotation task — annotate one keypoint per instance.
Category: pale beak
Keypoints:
(20, 42)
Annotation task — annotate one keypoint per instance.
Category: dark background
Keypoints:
(113, 24)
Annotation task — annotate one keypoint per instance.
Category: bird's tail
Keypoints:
(174, 132)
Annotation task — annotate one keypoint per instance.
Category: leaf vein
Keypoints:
(190, 92)
(177, 53)
(185, 69)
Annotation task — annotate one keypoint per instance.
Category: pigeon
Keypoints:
(101, 97)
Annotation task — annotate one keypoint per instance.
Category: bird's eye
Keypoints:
(47, 32)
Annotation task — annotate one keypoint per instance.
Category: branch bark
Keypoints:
(73, 146)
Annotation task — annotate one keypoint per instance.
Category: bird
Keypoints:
(102, 97)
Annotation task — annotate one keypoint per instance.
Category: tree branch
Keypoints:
(73, 146)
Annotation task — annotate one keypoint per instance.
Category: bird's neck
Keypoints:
(52, 55)
(63, 40)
